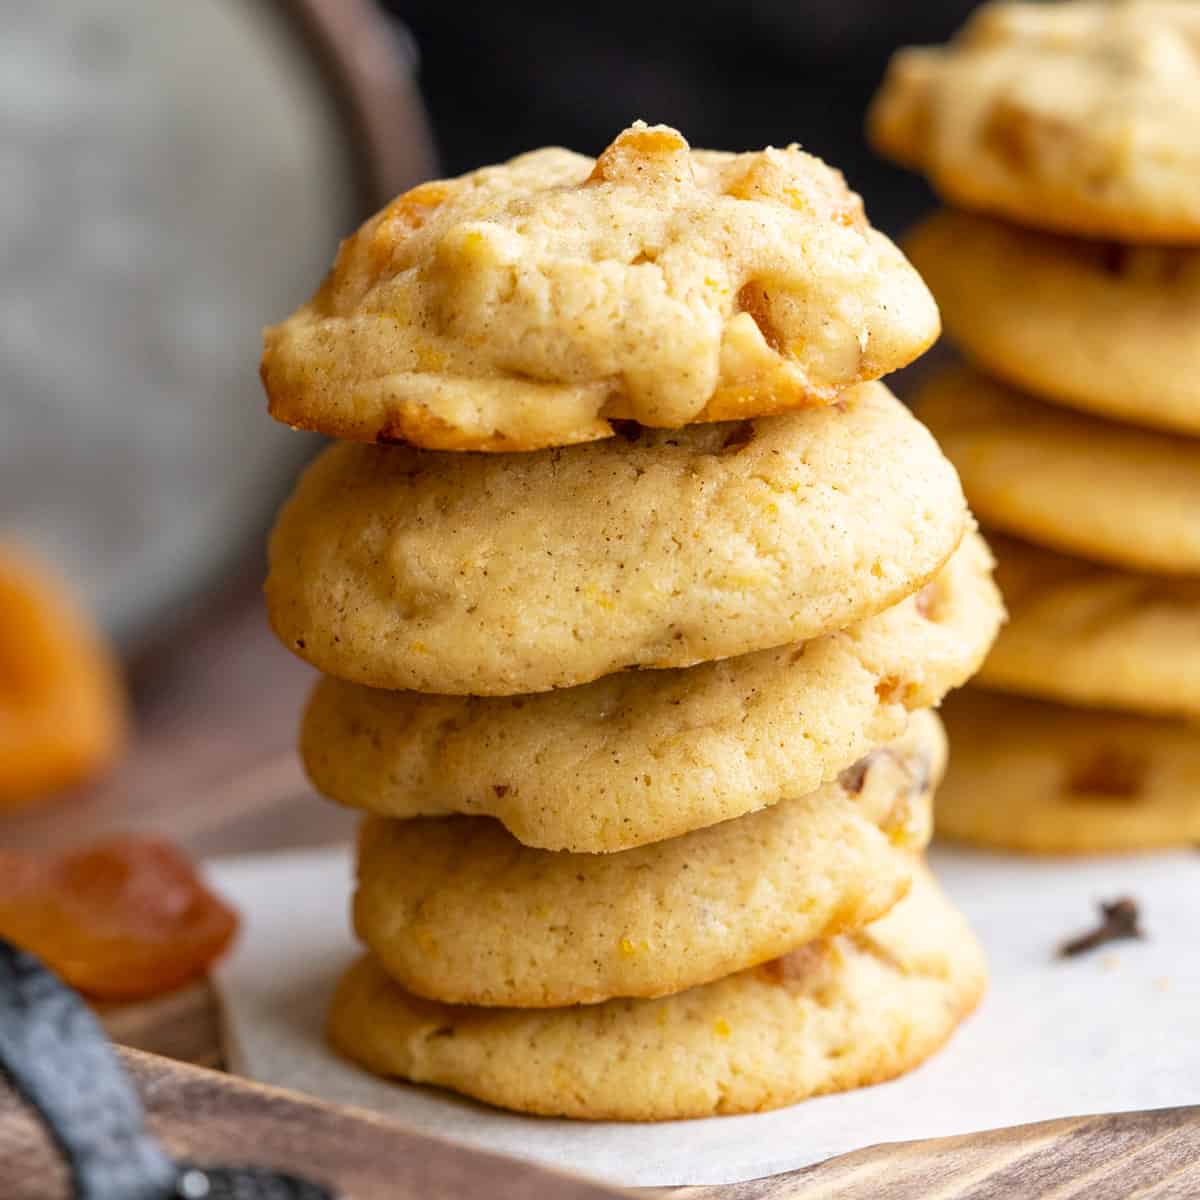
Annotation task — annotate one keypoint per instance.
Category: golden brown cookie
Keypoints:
(1077, 117)
(857, 1009)
(1109, 492)
(1107, 328)
(529, 304)
(62, 704)
(456, 910)
(505, 574)
(1094, 636)
(1047, 779)
(641, 756)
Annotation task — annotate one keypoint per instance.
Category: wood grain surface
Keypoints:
(210, 1118)
(1118, 1157)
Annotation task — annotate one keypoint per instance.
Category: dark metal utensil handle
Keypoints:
(58, 1059)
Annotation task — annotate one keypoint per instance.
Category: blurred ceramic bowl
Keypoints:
(176, 175)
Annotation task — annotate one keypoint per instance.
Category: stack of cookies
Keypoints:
(637, 699)
(1069, 134)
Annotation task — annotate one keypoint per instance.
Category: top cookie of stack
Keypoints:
(750, 516)
(531, 304)
(1075, 124)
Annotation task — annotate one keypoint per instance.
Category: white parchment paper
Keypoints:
(1115, 1030)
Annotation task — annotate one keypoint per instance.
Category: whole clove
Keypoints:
(1119, 920)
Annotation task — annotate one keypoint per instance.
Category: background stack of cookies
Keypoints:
(1079, 126)
(637, 701)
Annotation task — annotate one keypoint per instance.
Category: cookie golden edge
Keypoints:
(885, 998)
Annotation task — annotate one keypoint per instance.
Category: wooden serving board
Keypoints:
(210, 1118)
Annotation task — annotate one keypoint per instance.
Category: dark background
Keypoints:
(503, 78)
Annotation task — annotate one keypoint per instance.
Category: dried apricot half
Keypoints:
(124, 919)
(62, 704)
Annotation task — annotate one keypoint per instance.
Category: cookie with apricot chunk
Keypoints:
(1095, 325)
(532, 303)
(1079, 118)
(1074, 483)
(503, 574)
(1050, 779)
(1095, 636)
(835, 1014)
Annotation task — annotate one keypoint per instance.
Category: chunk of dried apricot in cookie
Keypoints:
(124, 919)
(62, 704)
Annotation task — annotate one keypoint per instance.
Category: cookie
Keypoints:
(855, 1010)
(1048, 779)
(504, 574)
(1078, 117)
(62, 702)
(456, 910)
(530, 304)
(1075, 483)
(1099, 326)
(641, 756)
(1090, 635)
